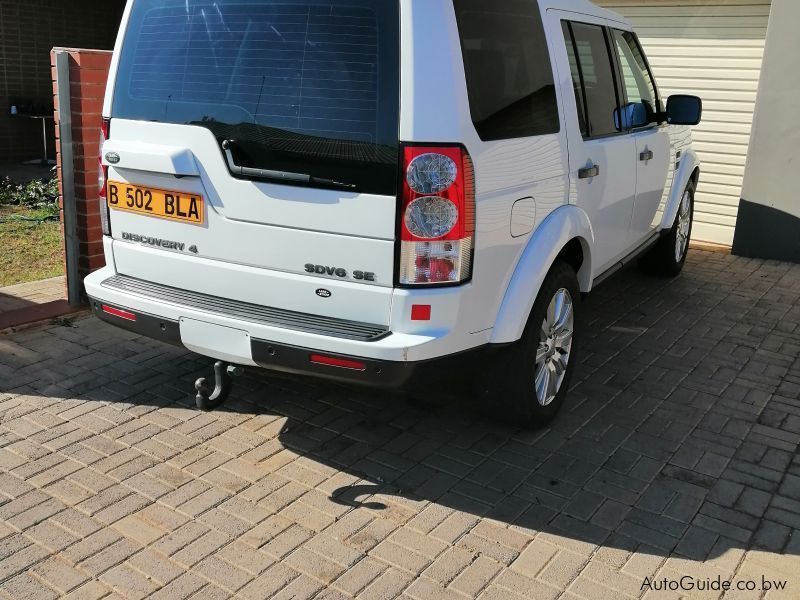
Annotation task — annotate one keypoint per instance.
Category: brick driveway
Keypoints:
(677, 455)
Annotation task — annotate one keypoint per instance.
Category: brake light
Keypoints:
(437, 216)
(102, 179)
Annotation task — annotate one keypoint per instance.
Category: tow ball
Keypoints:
(223, 379)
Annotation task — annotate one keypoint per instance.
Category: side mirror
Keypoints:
(684, 110)
(632, 115)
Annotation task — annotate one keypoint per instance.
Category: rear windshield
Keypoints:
(296, 85)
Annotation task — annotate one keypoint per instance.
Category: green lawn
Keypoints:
(29, 251)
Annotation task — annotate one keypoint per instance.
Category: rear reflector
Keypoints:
(118, 312)
(420, 312)
(333, 361)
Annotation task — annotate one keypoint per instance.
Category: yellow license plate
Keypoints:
(165, 204)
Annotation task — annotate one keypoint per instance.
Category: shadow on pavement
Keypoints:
(680, 433)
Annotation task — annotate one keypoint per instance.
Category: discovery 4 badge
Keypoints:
(155, 242)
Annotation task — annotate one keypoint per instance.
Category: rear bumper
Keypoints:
(297, 360)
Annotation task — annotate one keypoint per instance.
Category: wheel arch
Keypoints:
(688, 172)
(566, 234)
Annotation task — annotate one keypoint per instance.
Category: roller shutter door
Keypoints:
(711, 48)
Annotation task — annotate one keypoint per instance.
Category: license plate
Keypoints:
(164, 204)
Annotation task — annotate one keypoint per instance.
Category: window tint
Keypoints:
(593, 77)
(300, 85)
(508, 69)
(642, 99)
(577, 86)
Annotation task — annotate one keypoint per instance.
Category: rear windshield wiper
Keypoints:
(278, 175)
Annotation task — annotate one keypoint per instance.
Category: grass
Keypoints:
(29, 251)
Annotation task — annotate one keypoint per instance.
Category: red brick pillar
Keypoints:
(88, 73)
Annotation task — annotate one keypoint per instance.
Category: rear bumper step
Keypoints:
(245, 311)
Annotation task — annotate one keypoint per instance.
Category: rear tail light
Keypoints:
(437, 219)
(102, 179)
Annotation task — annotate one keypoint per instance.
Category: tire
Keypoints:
(512, 389)
(668, 256)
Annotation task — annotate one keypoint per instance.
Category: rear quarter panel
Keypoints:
(435, 108)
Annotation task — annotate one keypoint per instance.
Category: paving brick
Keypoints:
(155, 566)
(534, 558)
(448, 565)
(269, 583)
(19, 560)
(183, 587)
(108, 557)
(454, 527)
(136, 528)
(388, 585)
(424, 588)
(301, 588)
(562, 570)
(196, 550)
(525, 586)
(129, 583)
(314, 565)
(26, 587)
(223, 574)
(92, 590)
(400, 557)
(286, 541)
(370, 535)
(244, 557)
(180, 537)
(50, 535)
(360, 575)
(672, 461)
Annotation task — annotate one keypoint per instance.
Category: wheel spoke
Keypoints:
(542, 384)
(559, 365)
(565, 315)
(563, 337)
(550, 317)
(552, 382)
(541, 353)
(558, 307)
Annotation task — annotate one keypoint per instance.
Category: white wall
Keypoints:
(713, 49)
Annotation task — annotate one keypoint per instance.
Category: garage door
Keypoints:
(711, 48)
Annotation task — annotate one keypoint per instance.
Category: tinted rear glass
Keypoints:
(301, 86)
(508, 70)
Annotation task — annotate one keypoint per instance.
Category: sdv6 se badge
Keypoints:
(338, 272)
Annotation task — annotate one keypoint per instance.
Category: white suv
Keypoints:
(379, 191)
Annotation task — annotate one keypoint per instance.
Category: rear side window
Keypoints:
(593, 78)
(508, 69)
(300, 85)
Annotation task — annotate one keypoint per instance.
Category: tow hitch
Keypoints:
(223, 379)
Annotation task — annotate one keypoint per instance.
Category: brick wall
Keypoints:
(88, 72)
(28, 30)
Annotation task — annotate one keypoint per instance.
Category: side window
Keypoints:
(507, 64)
(577, 86)
(593, 78)
(640, 90)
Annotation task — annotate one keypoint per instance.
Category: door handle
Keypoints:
(646, 155)
(589, 172)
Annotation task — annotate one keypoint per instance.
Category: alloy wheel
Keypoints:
(555, 347)
(684, 223)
